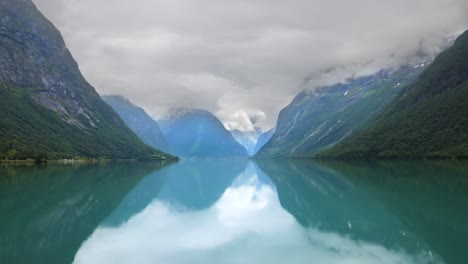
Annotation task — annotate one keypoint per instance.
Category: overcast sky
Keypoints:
(244, 58)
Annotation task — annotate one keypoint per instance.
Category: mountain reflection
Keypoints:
(408, 206)
(187, 184)
(48, 211)
(299, 213)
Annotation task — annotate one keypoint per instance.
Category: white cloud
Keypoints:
(230, 56)
(242, 120)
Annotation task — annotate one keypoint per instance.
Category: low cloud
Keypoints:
(244, 56)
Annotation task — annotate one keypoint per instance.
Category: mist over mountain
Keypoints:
(242, 131)
(164, 54)
(247, 139)
(428, 119)
(316, 120)
(263, 139)
(51, 111)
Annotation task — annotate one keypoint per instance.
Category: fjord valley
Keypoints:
(233, 132)
(51, 112)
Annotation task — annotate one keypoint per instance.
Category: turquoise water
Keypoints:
(235, 211)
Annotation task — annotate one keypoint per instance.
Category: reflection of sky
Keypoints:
(246, 225)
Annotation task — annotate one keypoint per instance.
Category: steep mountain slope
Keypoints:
(318, 119)
(247, 139)
(198, 133)
(138, 121)
(263, 139)
(429, 118)
(48, 108)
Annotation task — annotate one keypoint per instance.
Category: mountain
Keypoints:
(428, 119)
(49, 110)
(247, 139)
(138, 121)
(198, 133)
(263, 139)
(318, 119)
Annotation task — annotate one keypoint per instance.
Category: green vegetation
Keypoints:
(27, 130)
(317, 120)
(138, 121)
(429, 118)
(49, 111)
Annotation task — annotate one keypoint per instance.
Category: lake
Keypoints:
(235, 211)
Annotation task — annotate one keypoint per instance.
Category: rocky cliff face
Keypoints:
(316, 120)
(49, 109)
(33, 55)
(427, 120)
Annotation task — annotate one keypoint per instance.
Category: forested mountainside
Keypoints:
(49, 111)
(428, 119)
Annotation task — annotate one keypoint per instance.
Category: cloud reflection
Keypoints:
(246, 225)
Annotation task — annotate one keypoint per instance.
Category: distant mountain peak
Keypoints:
(146, 128)
(247, 139)
(181, 112)
(199, 133)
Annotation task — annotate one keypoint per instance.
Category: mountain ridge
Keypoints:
(138, 121)
(49, 110)
(429, 118)
(319, 118)
(247, 139)
(208, 137)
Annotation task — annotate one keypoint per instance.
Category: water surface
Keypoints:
(235, 211)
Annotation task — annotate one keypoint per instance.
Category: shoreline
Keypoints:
(76, 161)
